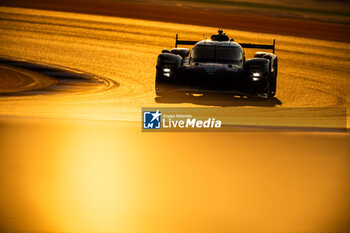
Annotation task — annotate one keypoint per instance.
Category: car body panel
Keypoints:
(215, 66)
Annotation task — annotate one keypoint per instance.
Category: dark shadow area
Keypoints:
(216, 99)
(44, 69)
(68, 80)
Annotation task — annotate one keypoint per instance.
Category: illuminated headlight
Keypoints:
(256, 76)
(166, 72)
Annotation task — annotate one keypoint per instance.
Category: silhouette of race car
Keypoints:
(217, 65)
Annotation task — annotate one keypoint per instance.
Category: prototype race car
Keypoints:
(217, 65)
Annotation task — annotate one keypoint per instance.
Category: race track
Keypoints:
(312, 73)
(15, 80)
(83, 175)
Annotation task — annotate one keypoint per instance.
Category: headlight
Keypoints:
(166, 72)
(256, 76)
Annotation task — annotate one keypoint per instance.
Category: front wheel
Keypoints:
(271, 87)
(274, 79)
(159, 88)
(162, 85)
(272, 82)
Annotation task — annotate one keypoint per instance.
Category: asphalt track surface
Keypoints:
(13, 80)
(113, 178)
(312, 73)
(23, 78)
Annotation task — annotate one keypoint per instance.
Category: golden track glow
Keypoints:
(108, 177)
(86, 176)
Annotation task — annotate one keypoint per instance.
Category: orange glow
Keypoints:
(89, 176)
(98, 180)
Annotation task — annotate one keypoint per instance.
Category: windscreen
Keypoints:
(220, 54)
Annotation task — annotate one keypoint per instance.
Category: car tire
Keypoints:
(160, 85)
(273, 81)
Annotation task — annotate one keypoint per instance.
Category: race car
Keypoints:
(217, 65)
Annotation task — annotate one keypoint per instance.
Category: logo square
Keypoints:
(151, 120)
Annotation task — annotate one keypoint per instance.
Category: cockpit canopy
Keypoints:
(218, 54)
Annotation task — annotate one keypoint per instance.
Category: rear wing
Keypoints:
(244, 45)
